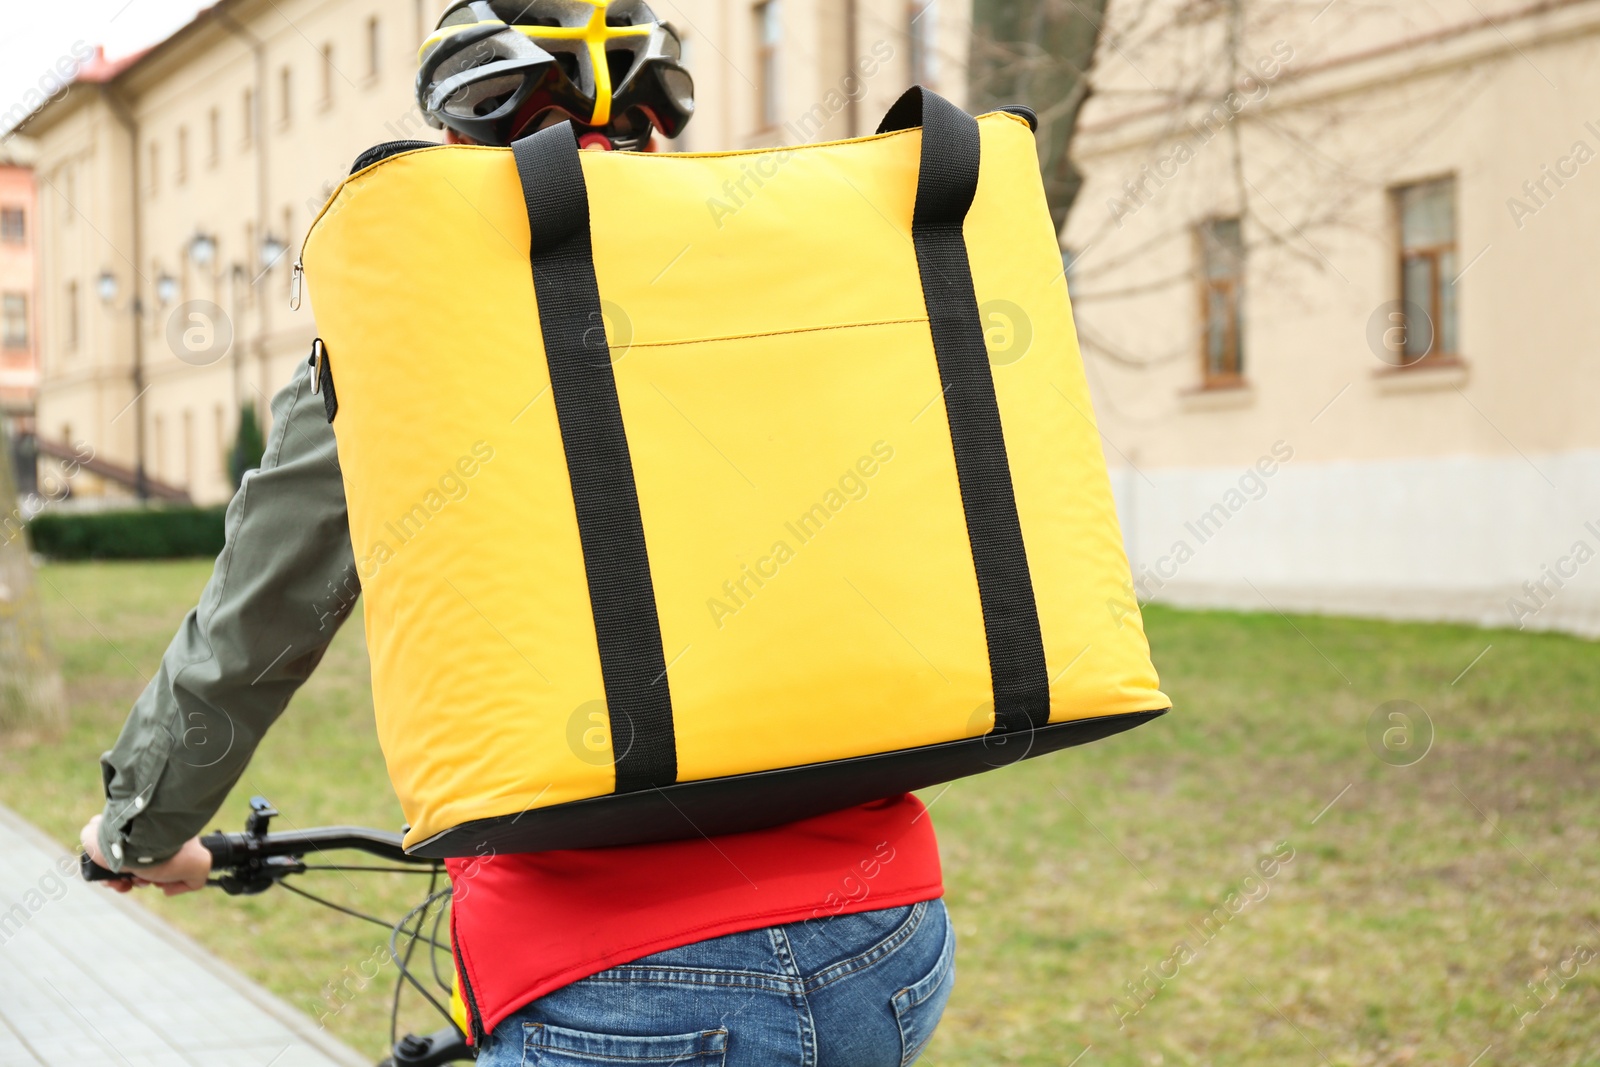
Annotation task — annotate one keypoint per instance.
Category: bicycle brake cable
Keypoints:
(404, 965)
(338, 907)
(433, 952)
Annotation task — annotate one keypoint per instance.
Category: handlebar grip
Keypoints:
(93, 872)
(220, 848)
(216, 844)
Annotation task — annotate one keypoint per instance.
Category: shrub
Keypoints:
(147, 533)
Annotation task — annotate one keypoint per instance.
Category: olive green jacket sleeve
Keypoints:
(283, 584)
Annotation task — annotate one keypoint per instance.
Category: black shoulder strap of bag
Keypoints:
(947, 181)
(621, 592)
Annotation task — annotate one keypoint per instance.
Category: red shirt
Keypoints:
(527, 924)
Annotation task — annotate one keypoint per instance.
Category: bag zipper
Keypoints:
(380, 152)
(474, 1018)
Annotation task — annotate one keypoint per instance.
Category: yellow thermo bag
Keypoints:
(696, 493)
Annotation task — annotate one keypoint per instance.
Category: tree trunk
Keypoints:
(1037, 52)
(31, 696)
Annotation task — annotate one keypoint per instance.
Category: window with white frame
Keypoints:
(922, 29)
(769, 70)
(14, 309)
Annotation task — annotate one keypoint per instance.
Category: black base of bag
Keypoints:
(743, 802)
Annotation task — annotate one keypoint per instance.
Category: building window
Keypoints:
(158, 428)
(220, 436)
(182, 174)
(1222, 302)
(374, 47)
(213, 137)
(69, 310)
(923, 32)
(247, 117)
(188, 449)
(15, 307)
(250, 244)
(769, 37)
(327, 76)
(13, 225)
(154, 323)
(285, 96)
(286, 235)
(1426, 213)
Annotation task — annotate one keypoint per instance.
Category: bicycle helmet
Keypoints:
(495, 70)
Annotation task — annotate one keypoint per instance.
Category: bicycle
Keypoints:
(244, 864)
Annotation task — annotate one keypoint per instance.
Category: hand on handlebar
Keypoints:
(183, 873)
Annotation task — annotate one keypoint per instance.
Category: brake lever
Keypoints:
(257, 875)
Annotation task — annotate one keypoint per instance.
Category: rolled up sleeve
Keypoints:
(284, 582)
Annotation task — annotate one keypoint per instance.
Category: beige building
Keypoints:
(1333, 279)
(177, 185)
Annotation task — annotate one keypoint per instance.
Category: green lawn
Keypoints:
(1107, 898)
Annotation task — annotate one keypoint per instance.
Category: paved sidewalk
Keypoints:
(87, 977)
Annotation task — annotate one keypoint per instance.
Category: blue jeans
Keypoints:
(863, 990)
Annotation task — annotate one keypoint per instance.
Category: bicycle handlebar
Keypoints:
(228, 849)
(251, 861)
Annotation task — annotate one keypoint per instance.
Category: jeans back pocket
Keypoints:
(557, 1046)
(918, 1007)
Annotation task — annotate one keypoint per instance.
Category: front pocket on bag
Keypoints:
(918, 1007)
(556, 1046)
